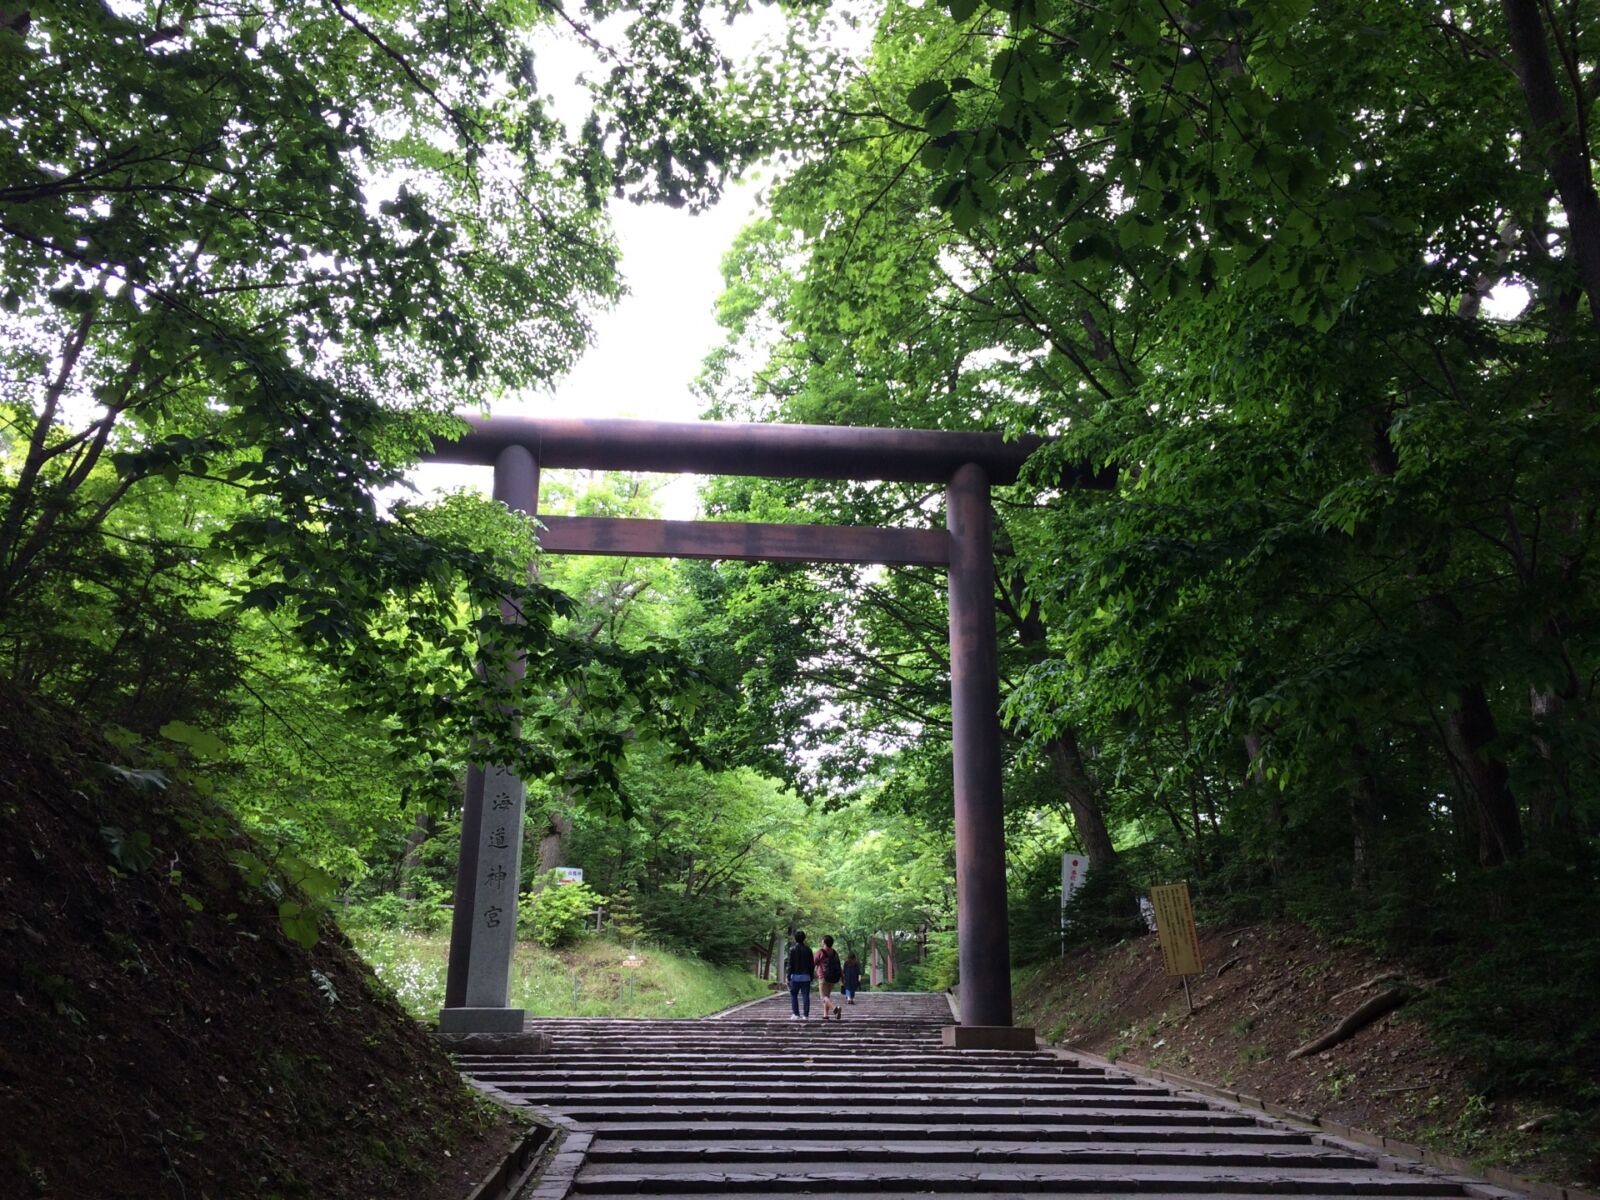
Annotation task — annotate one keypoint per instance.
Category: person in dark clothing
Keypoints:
(852, 978)
(799, 969)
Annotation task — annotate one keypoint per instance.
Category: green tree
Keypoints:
(271, 250)
(1179, 244)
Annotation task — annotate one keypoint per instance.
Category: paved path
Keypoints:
(751, 1103)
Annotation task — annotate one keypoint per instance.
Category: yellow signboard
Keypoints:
(1180, 943)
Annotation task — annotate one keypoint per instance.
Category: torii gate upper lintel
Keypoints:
(484, 922)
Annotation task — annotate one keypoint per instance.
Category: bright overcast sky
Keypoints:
(647, 350)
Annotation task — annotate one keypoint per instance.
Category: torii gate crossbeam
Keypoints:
(483, 929)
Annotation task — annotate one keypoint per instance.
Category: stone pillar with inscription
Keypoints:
(483, 927)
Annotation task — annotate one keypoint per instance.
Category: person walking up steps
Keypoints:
(800, 968)
(829, 972)
(852, 978)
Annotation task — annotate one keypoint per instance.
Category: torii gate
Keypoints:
(483, 929)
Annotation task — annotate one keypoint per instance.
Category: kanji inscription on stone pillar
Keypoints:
(494, 927)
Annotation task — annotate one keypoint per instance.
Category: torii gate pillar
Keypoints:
(982, 932)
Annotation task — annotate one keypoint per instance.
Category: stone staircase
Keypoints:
(751, 1103)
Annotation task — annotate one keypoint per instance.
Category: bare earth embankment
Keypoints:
(163, 1037)
(1267, 990)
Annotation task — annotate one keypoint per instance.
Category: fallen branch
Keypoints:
(1362, 1017)
(1386, 977)
(1225, 966)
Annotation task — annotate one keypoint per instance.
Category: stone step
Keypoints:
(753, 1104)
(919, 1116)
(899, 1030)
(859, 1101)
(793, 1031)
(702, 1032)
(781, 1130)
(776, 1155)
(567, 1064)
(598, 1179)
(795, 1038)
(763, 1081)
(751, 1019)
(1012, 1193)
(618, 1050)
(768, 1056)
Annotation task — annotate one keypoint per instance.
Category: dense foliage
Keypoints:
(1301, 602)
(252, 260)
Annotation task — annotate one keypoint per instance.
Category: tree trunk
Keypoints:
(1554, 131)
(1366, 816)
(553, 842)
(1066, 763)
(421, 830)
(1273, 822)
(1550, 808)
(1469, 730)
(1066, 758)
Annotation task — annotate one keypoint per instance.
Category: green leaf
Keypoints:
(942, 115)
(131, 850)
(203, 744)
(1093, 247)
(299, 922)
(927, 93)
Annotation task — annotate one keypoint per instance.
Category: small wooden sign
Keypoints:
(1180, 942)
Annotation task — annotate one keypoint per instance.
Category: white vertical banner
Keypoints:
(1073, 868)
(494, 929)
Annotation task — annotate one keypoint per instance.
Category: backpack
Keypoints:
(800, 959)
(832, 972)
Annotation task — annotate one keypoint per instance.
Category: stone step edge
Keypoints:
(891, 1152)
(665, 1132)
(1491, 1183)
(875, 1107)
(597, 1116)
(541, 1064)
(1155, 1183)
(975, 1195)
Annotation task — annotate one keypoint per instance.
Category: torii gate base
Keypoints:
(989, 1037)
(483, 929)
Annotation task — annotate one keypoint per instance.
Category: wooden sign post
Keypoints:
(1180, 941)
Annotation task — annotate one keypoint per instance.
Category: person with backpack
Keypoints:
(800, 968)
(829, 971)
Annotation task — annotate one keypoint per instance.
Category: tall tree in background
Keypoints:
(1241, 257)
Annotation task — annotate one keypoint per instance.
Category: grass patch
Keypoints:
(587, 979)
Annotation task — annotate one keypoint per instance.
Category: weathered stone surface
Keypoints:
(521, 1042)
(989, 1037)
(755, 1106)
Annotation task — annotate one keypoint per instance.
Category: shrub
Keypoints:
(555, 912)
(938, 971)
(425, 914)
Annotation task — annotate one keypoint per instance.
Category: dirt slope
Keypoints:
(1266, 990)
(160, 1036)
